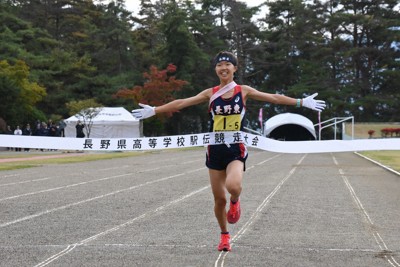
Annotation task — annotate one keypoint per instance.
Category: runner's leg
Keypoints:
(217, 181)
(234, 177)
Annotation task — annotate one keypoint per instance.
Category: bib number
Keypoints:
(227, 123)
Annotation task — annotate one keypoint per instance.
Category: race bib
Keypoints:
(227, 123)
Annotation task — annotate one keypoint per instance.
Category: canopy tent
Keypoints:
(109, 123)
(289, 127)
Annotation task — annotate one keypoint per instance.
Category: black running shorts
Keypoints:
(219, 156)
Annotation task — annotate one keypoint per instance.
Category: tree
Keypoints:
(181, 50)
(19, 94)
(91, 54)
(343, 49)
(158, 89)
(283, 47)
(86, 110)
(243, 36)
(346, 50)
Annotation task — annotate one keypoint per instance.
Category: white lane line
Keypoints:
(71, 247)
(378, 163)
(193, 161)
(10, 175)
(80, 173)
(94, 198)
(66, 186)
(52, 177)
(28, 181)
(114, 168)
(268, 159)
(56, 256)
(222, 255)
(208, 246)
(378, 239)
(81, 183)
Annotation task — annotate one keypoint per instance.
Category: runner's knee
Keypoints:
(220, 201)
(234, 187)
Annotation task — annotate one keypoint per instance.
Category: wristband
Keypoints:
(298, 103)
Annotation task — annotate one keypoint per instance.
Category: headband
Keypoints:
(225, 57)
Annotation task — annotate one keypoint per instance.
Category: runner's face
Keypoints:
(225, 70)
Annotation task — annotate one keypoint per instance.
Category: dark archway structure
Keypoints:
(289, 127)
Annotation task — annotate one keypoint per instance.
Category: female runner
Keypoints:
(227, 107)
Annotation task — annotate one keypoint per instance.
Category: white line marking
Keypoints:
(51, 177)
(94, 198)
(66, 186)
(10, 175)
(56, 256)
(81, 183)
(115, 168)
(377, 163)
(29, 181)
(174, 245)
(72, 185)
(116, 228)
(378, 239)
(262, 162)
(246, 226)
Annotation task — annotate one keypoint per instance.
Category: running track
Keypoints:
(156, 209)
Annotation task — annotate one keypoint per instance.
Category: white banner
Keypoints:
(194, 140)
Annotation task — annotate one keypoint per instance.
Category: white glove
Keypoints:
(143, 113)
(311, 103)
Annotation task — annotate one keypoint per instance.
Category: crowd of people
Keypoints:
(41, 128)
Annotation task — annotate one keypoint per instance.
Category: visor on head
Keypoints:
(225, 57)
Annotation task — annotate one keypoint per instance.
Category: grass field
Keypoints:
(388, 158)
(62, 160)
(361, 129)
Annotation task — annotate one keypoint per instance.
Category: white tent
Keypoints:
(109, 123)
(290, 126)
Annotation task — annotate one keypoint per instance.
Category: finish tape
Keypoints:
(195, 140)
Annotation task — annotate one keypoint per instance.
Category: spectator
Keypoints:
(49, 123)
(17, 131)
(38, 125)
(61, 128)
(43, 131)
(10, 132)
(79, 130)
(27, 131)
(53, 131)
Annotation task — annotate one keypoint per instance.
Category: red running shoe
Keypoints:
(224, 244)
(233, 214)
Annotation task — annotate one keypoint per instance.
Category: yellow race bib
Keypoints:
(227, 123)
